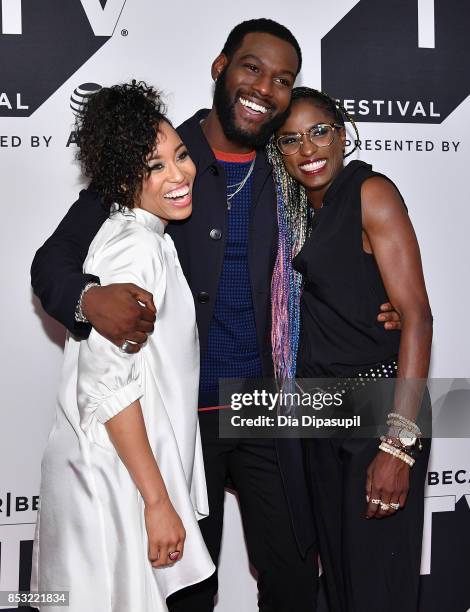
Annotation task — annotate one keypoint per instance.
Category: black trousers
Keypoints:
(286, 581)
(369, 564)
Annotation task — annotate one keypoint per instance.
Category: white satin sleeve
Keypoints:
(109, 380)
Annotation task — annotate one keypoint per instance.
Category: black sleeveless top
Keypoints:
(339, 333)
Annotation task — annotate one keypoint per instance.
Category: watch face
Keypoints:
(407, 438)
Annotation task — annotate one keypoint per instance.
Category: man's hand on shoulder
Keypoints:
(115, 312)
(389, 317)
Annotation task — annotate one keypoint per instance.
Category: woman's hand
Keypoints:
(165, 532)
(388, 480)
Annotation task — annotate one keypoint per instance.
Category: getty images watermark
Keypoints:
(284, 401)
(341, 407)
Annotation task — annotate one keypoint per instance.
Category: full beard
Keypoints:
(225, 109)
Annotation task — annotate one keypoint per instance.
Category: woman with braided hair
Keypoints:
(346, 245)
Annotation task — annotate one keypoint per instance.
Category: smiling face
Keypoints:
(253, 88)
(312, 166)
(167, 189)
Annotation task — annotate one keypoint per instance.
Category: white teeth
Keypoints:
(253, 105)
(177, 193)
(316, 165)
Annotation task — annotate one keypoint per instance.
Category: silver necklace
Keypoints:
(239, 186)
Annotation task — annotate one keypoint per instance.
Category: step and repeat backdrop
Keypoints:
(401, 69)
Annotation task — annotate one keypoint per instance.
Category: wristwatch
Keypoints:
(406, 438)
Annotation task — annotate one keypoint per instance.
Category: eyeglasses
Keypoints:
(321, 135)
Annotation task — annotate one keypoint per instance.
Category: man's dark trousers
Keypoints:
(286, 579)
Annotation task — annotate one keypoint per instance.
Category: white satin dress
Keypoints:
(90, 535)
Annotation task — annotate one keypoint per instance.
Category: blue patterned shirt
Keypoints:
(232, 350)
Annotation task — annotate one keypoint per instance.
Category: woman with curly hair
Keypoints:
(346, 245)
(123, 482)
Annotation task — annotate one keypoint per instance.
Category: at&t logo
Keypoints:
(81, 94)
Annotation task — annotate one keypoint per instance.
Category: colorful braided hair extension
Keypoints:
(293, 215)
(286, 283)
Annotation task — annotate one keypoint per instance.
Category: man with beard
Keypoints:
(227, 250)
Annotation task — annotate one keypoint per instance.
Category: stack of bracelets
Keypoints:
(401, 439)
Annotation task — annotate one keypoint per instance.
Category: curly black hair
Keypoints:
(116, 131)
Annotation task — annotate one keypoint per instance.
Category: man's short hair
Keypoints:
(264, 26)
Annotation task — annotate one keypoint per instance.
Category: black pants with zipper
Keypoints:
(286, 580)
(369, 564)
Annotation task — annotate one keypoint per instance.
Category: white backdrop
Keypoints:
(172, 45)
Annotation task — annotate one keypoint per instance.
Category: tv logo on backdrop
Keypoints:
(401, 61)
(41, 46)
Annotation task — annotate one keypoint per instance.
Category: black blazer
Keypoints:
(57, 277)
(201, 249)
